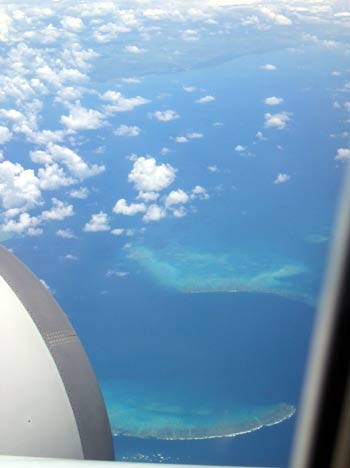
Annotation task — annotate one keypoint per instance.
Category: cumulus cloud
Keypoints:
(213, 169)
(199, 192)
(176, 197)
(205, 99)
(24, 223)
(63, 155)
(179, 212)
(148, 176)
(268, 67)
(194, 135)
(154, 213)
(260, 136)
(59, 211)
(119, 103)
(117, 231)
(148, 196)
(181, 139)
(98, 222)
(28, 224)
(343, 153)
(189, 136)
(127, 130)
(119, 274)
(281, 178)
(70, 257)
(72, 23)
(164, 116)
(239, 148)
(278, 120)
(274, 17)
(81, 193)
(5, 135)
(80, 118)
(273, 101)
(189, 89)
(65, 234)
(133, 49)
(121, 207)
(19, 187)
(190, 35)
(53, 177)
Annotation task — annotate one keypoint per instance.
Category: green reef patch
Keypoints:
(136, 413)
(191, 271)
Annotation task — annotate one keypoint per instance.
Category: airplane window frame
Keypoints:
(321, 436)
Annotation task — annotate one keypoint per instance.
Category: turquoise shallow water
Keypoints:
(158, 412)
(191, 271)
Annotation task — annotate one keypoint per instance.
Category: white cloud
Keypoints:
(46, 136)
(205, 99)
(176, 197)
(30, 224)
(121, 207)
(34, 231)
(213, 169)
(260, 136)
(59, 211)
(52, 177)
(148, 196)
(131, 80)
(194, 135)
(126, 130)
(133, 49)
(25, 222)
(5, 135)
(343, 153)
(108, 31)
(80, 118)
(72, 23)
(278, 120)
(181, 139)
(281, 178)
(239, 148)
(117, 231)
(199, 192)
(274, 17)
(154, 213)
(71, 257)
(81, 193)
(180, 212)
(147, 176)
(65, 234)
(273, 101)
(268, 67)
(98, 222)
(19, 187)
(119, 103)
(189, 89)
(190, 35)
(164, 150)
(118, 274)
(164, 116)
(67, 157)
